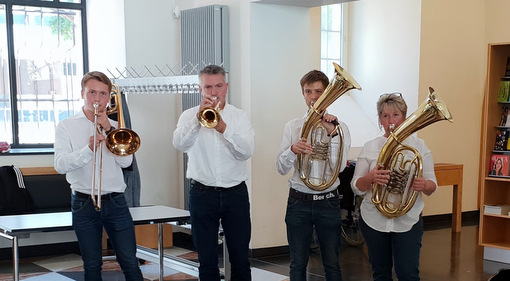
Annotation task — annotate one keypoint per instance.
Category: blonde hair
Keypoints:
(395, 100)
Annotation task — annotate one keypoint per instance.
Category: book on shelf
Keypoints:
(496, 209)
(499, 165)
(507, 71)
(504, 89)
(505, 118)
(501, 140)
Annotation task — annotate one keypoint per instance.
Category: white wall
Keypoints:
(383, 56)
(282, 51)
(106, 34)
(153, 39)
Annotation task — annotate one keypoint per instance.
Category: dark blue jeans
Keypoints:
(301, 218)
(118, 223)
(386, 248)
(208, 206)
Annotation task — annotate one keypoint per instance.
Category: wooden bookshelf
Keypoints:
(494, 230)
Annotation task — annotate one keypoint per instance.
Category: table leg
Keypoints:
(15, 258)
(160, 250)
(457, 208)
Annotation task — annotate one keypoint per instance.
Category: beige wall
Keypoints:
(453, 62)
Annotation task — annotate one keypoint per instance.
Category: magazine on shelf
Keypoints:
(499, 165)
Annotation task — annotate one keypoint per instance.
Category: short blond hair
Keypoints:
(98, 76)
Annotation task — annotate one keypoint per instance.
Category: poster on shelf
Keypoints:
(499, 165)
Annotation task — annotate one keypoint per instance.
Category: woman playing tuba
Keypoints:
(392, 237)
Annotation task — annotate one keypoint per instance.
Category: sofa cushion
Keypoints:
(50, 193)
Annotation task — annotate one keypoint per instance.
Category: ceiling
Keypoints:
(301, 3)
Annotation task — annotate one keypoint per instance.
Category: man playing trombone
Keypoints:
(97, 181)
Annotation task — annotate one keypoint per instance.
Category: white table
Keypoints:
(17, 225)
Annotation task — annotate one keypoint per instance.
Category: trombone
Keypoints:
(121, 141)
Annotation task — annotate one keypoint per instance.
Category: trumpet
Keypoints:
(209, 117)
(121, 141)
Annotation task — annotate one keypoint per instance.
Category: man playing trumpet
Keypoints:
(218, 149)
(77, 141)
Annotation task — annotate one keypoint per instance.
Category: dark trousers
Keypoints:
(388, 248)
(118, 223)
(208, 207)
(301, 218)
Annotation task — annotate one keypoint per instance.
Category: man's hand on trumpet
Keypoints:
(209, 101)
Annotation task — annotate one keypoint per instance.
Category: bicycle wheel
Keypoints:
(350, 225)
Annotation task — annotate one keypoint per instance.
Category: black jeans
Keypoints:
(210, 205)
(402, 248)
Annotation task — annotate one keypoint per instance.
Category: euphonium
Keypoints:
(210, 117)
(315, 169)
(404, 162)
(121, 141)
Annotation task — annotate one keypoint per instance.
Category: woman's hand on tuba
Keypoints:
(423, 185)
(379, 175)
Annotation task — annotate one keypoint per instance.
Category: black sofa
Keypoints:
(43, 193)
(25, 192)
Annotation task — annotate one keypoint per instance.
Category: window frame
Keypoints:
(16, 147)
(326, 65)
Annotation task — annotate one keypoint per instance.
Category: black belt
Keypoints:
(103, 197)
(313, 197)
(198, 185)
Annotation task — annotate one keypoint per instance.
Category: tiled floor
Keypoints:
(445, 256)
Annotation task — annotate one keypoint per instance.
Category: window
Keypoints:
(42, 60)
(331, 37)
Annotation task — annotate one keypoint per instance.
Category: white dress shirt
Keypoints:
(74, 158)
(216, 159)
(367, 160)
(287, 159)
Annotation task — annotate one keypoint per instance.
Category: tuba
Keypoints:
(314, 169)
(404, 162)
(121, 141)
